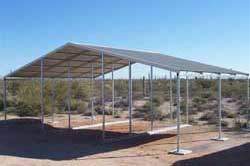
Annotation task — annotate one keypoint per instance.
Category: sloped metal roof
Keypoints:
(81, 58)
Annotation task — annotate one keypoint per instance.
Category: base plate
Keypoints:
(220, 139)
(180, 151)
(246, 129)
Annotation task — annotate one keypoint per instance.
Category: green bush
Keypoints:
(210, 117)
(98, 110)
(122, 103)
(199, 100)
(146, 114)
(207, 94)
(26, 110)
(158, 100)
(82, 106)
(74, 104)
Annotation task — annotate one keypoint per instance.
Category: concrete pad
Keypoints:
(220, 139)
(167, 129)
(180, 152)
(55, 122)
(100, 125)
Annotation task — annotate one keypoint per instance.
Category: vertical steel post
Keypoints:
(219, 103)
(92, 92)
(248, 103)
(143, 86)
(5, 98)
(151, 98)
(103, 100)
(130, 98)
(42, 92)
(53, 100)
(171, 95)
(220, 137)
(178, 150)
(248, 93)
(187, 99)
(178, 111)
(113, 92)
(69, 95)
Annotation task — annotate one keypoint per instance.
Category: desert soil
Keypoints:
(24, 144)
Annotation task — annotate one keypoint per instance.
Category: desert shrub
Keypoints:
(98, 110)
(26, 110)
(159, 115)
(228, 114)
(192, 110)
(121, 103)
(207, 94)
(82, 107)
(232, 100)
(239, 124)
(117, 115)
(183, 105)
(156, 115)
(199, 100)
(138, 114)
(210, 117)
(205, 84)
(146, 114)
(74, 104)
(1, 105)
(192, 120)
(11, 110)
(224, 123)
(142, 112)
(244, 111)
(158, 100)
(89, 113)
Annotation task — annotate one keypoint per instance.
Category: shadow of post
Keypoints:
(236, 156)
(24, 138)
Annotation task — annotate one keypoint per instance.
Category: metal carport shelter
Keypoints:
(86, 61)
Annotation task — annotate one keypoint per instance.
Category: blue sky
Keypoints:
(214, 31)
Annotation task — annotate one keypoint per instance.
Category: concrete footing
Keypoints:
(220, 139)
(180, 152)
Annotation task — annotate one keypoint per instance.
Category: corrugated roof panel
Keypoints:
(80, 57)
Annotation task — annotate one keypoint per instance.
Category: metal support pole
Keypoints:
(53, 101)
(171, 95)
(42, 93)
(151, 98)
(178, 112)
(103, 100)
(248, 103)
(219, 98)
(143, 86)
(187, 99)
(69, 96)
(178, 150)
(113, 92)
(130, 98)
(5, 98)
(92, 92)
(248, 93)
(220, 138)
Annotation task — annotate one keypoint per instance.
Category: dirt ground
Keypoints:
(23, 143)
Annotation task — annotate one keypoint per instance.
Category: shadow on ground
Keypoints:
(24, 138)
(236, 156)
